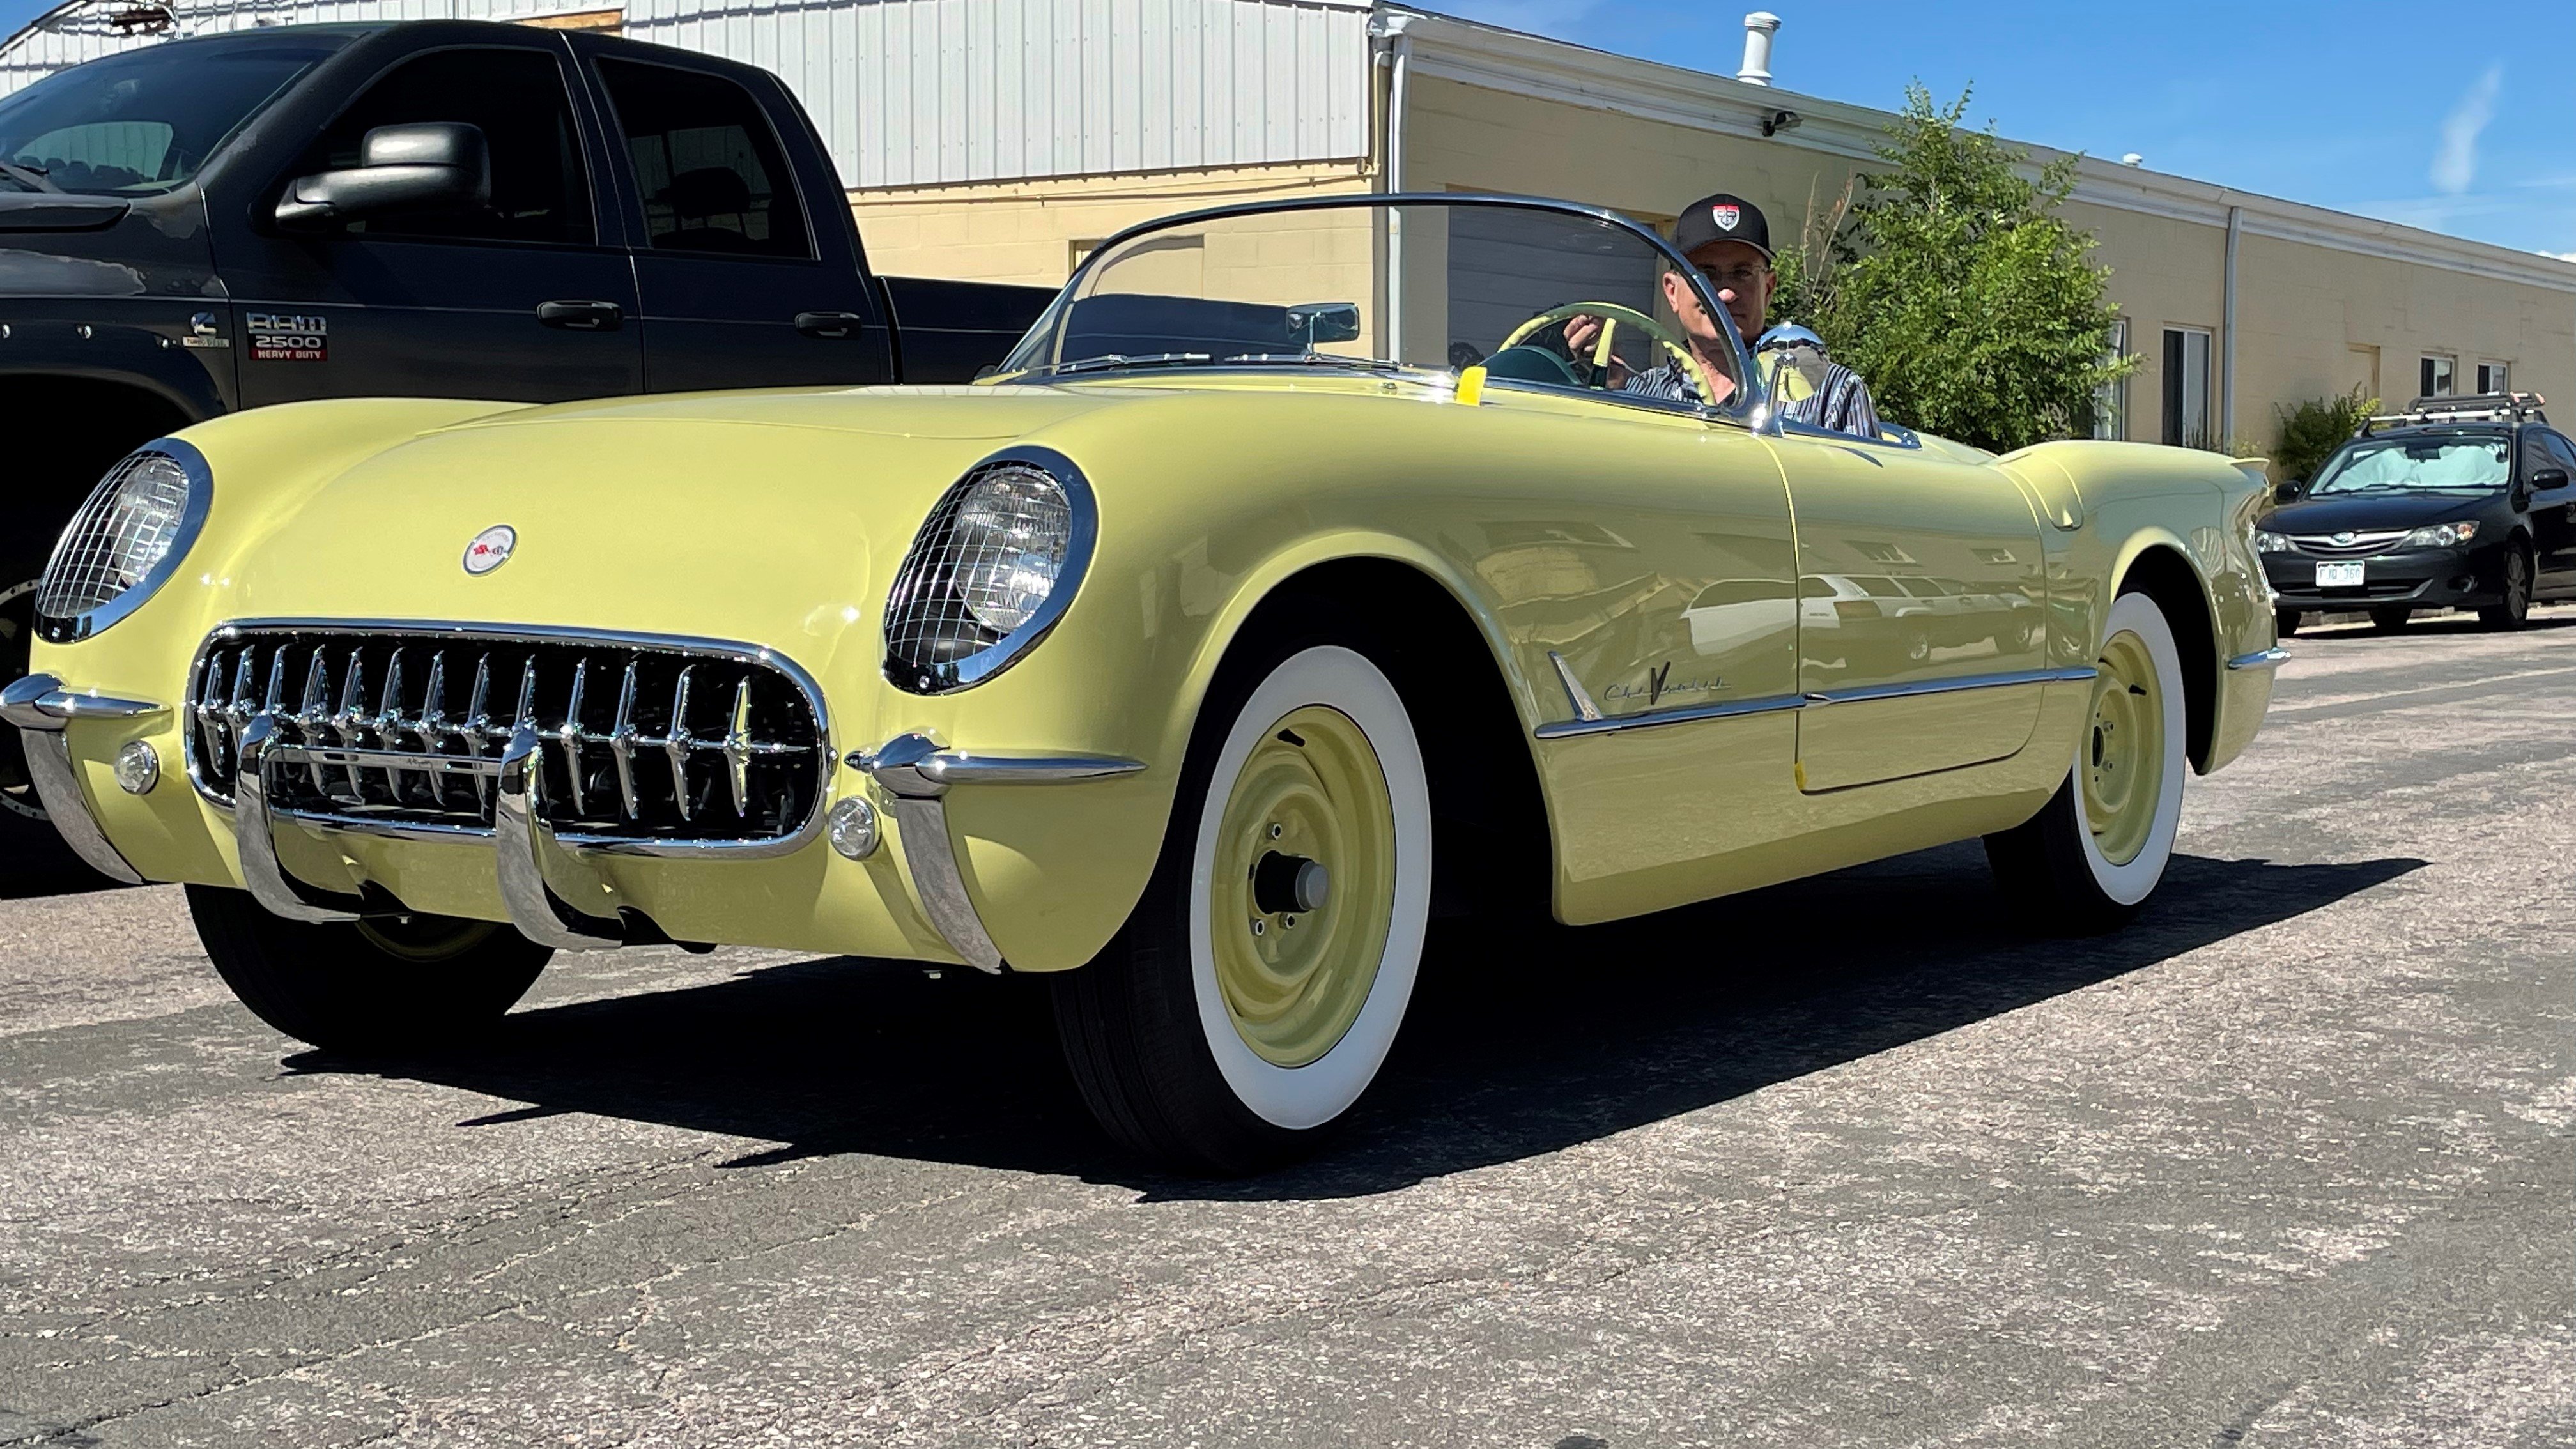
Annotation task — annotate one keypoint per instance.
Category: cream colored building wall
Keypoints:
(1032, 231)
(2312, 319)
(1468, 138)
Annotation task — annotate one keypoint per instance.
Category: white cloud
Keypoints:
(2561, 256)
(2455, 164)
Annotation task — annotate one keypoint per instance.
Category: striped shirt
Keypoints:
(1840, 404)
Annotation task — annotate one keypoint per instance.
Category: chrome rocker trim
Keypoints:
(2272, 658)
(915, 773)
(1595, 724)
(39, 706)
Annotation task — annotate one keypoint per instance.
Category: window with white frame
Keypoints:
(2437, 377)
(2495, 377)
(2186, 387)
(2111, 401)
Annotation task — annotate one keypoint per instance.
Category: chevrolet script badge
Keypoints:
(490, 548)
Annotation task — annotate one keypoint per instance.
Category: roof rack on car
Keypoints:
(2484, 407)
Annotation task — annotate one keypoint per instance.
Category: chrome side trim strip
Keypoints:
(49, 765)
(40, 702)
(1679, 714)
(1729, 709)
(2083, 675)
(1585, 711)
(520, 841)
(2272, 658)
(255, 838)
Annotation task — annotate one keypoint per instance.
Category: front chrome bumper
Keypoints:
(912, 770)
(40, 707)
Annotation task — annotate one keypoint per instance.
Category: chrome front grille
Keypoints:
(2326, 545)
(642, 740)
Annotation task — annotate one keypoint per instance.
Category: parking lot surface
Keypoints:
(1848, 1162)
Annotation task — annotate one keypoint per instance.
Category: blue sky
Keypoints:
(2371, 107)
(2368, 107)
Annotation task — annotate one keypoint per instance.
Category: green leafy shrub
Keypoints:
(2312, 430)
(1955, 290)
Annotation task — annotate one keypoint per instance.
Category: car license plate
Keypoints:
(2339, 576)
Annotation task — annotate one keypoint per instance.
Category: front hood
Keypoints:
(671, 516)
(2382, 511)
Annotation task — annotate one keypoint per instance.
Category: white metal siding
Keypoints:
(925, 92)
(79, 32)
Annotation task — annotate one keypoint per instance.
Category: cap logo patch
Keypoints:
(1726, 216)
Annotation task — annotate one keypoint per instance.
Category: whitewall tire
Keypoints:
(2094, 854)
(1259, 986)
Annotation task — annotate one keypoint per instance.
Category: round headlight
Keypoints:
(1011, 533)
(995, 564)
(125, 542)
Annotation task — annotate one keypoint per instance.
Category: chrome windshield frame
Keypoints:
(1748, 383)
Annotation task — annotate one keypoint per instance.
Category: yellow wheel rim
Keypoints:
(2124, 752)
(1297, 950)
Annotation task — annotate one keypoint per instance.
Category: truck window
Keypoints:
(144, 121)
(706, 163)
(540, 191)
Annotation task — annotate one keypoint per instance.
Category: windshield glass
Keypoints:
(144, 121)
(2438, 463)
(1538, 297)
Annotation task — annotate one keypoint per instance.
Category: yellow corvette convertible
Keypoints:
(1313, 570)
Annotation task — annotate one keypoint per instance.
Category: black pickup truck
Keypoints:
(443, 209)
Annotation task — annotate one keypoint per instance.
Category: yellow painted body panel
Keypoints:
(1659, 555)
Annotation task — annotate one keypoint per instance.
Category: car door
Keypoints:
(1944, 668)
(524, 300)
(2553, 514)
(749, 273)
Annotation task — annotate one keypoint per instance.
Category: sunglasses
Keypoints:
(1735, 278)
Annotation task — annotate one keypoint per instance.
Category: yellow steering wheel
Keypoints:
(1610, 315)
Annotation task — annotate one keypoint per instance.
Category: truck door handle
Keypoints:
(582, 316)
(830, 324)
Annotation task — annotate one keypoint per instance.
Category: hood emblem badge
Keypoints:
(2343, 535)
(490, 549)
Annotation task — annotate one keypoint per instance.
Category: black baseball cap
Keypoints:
(1723, 217)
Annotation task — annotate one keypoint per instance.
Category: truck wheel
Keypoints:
(2092, 855)
(1255, 991)
(22, 815)
(402, 983)
(2513, 610)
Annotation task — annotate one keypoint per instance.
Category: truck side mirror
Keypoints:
(2549, 478)
(2286, 492)
(428, 167)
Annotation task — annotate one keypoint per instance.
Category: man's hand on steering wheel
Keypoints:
(1582, 331)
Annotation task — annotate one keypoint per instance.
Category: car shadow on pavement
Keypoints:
(34, 863)
(1520, 1042)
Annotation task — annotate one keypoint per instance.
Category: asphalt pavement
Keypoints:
(1848, 1162)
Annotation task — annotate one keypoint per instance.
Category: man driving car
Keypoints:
(1729, 241)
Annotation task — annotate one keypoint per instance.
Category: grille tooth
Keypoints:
(433, 721)
(384, 716)
(676, 743)
(351, 726)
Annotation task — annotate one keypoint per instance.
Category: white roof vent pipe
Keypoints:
(1759, 27)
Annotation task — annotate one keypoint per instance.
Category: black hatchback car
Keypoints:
(2454, 503)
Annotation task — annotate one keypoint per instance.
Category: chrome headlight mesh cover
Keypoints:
(966, 602)
(126, 541)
